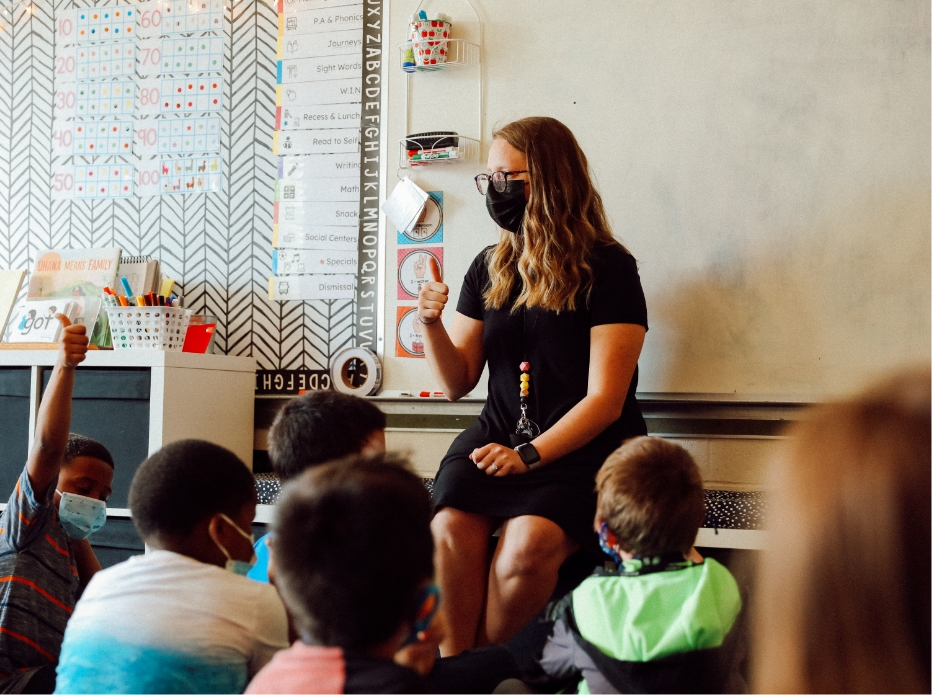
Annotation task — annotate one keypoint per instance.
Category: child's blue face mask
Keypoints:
(237, 566)
(607, 542)
(81, 516)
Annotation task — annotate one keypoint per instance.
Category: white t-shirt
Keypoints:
(164, 622)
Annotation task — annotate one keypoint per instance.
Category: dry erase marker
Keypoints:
(126, 287)
(122, 300)
(140, 300)
(161, 300)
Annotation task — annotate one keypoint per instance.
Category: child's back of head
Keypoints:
(650, 497)
(323, 426)
(353, 551)
(185, 483)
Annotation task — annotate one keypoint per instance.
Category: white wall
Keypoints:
(768, 163)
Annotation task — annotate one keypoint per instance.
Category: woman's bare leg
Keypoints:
(523, 575)
(461, 542)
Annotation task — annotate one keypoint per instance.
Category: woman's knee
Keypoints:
(455, 528)
(532, 545)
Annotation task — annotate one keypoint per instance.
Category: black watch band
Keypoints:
(529, 455)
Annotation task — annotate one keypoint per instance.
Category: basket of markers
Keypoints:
(154, 323)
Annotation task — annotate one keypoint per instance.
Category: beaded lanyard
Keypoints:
(526, 429)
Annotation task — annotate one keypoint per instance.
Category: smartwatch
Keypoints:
(528, 454)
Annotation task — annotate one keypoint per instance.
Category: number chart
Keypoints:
(187, 16)
(141, 84)
(189, 95)
(111, 98)
(98, 138)
(191, 175)
(105, 23)
(189, 135)
(99, 61)
(103, 181)
(202, 54)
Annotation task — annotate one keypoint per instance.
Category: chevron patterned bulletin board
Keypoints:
(218, 244)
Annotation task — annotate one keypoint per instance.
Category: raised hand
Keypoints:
(433, 295)
(74, 343)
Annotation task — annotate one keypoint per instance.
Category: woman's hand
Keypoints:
(433, 296)
(498, 460)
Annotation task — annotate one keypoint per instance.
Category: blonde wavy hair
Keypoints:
(564, 221)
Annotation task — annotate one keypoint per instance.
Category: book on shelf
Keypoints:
(142, 273)
(35, 321)
(11, 281)
(78, 274)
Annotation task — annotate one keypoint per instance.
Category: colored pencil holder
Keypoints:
(148, 327)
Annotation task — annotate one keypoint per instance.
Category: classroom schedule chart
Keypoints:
(318, 115)
(138, 92)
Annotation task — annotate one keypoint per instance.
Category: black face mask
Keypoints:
(507, 208)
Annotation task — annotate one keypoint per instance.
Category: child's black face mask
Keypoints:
(507, 208)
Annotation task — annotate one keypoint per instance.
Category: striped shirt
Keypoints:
(38, 580)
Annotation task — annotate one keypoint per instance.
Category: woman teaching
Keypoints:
(557, 311)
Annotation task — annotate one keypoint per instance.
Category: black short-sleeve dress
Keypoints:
(557, 347)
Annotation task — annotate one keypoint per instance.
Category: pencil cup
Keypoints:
(148, 327)
(429, 40)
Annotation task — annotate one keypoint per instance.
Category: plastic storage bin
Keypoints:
(148, 327)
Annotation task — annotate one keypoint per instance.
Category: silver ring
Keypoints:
(494, 468)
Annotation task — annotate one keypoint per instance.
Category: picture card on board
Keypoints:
(316, 141)
(319, 69)
(318, 190)
(333, 43)
(428, 229)
(314, 214)
(285, 287)
(319, 116)
(293, 236)
(317, 93)
(296, 169)
(414, 269)
(297, 261)
(317, 21)
(409, 338)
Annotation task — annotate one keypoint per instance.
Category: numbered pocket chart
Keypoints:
(189, 135)
(103, 181)
(105, 23)
(99, 61)
(187, 16)
(99, 138)
(191, 175)
(202, 54)
(113, 98)
(191, 94)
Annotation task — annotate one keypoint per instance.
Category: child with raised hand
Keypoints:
(658, 622)
(353, 560)
(315, 428)
(45, 557)
(181, 618)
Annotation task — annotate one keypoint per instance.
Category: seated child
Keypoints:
(45, 558)
(657, 622)
(315, 428)
(179, 619)
(353, 560)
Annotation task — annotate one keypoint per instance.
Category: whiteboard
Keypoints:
(767, 163)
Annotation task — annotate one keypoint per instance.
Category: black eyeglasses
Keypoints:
(499, 180)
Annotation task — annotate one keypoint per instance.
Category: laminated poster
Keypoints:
(413, 269)
(429, 227)
(159, 87)
(409, 341)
